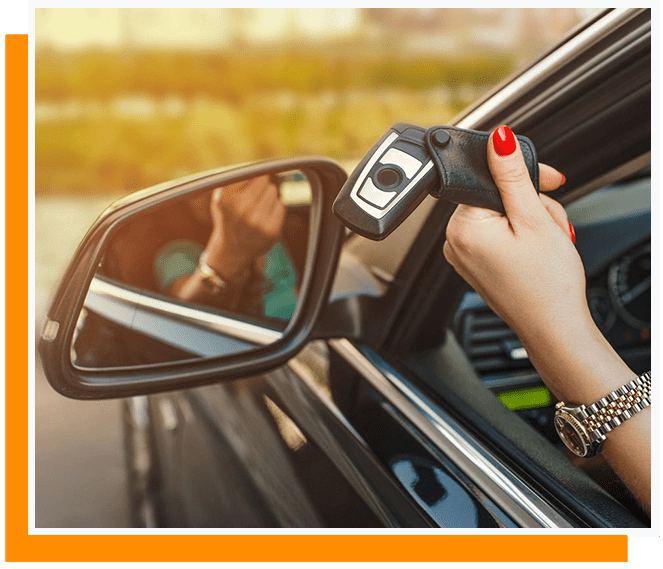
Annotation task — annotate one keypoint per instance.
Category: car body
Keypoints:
(396, 414)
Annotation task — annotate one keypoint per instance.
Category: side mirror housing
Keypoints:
(156, 298)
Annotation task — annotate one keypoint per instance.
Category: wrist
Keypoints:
(229, 269)
(227, 265)
(577, 363)
(584, 428)
(219, 281)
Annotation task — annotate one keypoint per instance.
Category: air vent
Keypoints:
(501, 361)
(492, 347)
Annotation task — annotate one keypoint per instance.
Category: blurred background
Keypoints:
(126, 98)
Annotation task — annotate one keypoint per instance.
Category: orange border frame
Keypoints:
(20, 546)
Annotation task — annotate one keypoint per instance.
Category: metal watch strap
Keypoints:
(611, 411)
(210, 276)
(218, 284)
(583, 429)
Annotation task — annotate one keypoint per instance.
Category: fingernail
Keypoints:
(563, 178)
(504, 141)
(572, 232)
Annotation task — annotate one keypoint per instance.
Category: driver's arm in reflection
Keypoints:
(526, 267)
(233, 271)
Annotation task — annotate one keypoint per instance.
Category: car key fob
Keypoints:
(388, 183)
(410, 162)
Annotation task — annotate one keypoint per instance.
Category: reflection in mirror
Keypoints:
(215, 272)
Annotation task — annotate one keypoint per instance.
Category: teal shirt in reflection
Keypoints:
(281, 298)
(175, 260)
(180, 258)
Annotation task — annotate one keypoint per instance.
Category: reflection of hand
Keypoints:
(248, 217)
(523, 264)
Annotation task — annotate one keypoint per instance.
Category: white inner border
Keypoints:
(652, 532)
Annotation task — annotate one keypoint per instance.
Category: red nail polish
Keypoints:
(572, 232)
(563, 179)
(504, 141)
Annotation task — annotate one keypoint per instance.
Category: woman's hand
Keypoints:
(248, 218)
(524, 264)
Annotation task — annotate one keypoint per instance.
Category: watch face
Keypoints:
(572, 433)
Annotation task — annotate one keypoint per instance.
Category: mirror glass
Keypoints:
(214, 272)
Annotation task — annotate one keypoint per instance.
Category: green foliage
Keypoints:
(100, 74)
(233, 107)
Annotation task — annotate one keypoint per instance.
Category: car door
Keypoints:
(386, 423)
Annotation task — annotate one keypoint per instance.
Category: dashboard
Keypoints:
(620, 301)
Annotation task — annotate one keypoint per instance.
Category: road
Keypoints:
(79, 469)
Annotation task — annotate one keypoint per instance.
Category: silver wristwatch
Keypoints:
(215, 283)
(583, 429)
(211, 278)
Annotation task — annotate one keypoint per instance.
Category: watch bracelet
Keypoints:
(211, 276)
(611, 411)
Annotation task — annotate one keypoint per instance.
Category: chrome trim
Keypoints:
(525, 506)
(518, 354)
(502, 98)
(397, 157)
(379, 214)
(305, 365)
(129, 299)
(322, 394)
(548, 65)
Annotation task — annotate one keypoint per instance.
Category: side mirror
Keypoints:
(216, 276)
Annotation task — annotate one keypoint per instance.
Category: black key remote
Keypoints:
(388, 184)
(409, 162)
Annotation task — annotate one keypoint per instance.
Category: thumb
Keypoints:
(216, 206)
(509, 171)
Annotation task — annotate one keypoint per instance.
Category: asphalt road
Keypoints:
(79, 470)
(79, 465)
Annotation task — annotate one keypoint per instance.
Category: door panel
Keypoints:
(277, 452)
(273, 452)
(200, 480)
